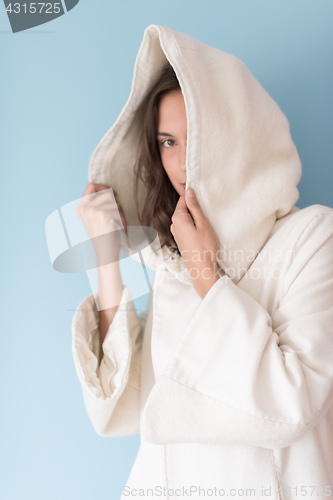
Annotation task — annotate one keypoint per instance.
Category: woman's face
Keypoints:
(171, 138)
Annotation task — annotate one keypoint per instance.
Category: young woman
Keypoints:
(228, 375)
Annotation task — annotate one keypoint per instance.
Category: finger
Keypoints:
(114, 211)
(118, 214)
(102, 187)
(123, 220)
(104, 200)
(122, 215)
(181, 206)
(89, 189)
(94, 187)
(194, 207)
(101, 198)
(111, 207)
(181, 213)
(107, 201)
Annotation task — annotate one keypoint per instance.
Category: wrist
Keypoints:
(204, 288)
(208, 276)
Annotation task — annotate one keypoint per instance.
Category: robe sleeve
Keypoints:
(238, 375)
(111, 391)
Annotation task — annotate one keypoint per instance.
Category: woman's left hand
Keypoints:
(197, 242)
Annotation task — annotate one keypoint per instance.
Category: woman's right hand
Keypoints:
(100, 217)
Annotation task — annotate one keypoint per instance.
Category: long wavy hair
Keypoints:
(162, 197)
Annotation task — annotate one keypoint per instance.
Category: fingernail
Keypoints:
(190, 192)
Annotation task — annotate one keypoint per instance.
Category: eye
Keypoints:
(167, 142)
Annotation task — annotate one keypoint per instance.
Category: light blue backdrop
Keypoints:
(63, 85)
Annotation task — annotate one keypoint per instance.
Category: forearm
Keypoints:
(110, 287)
(208, 275)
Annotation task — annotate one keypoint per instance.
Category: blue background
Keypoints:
(63, 85)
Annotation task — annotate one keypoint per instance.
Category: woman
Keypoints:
(228, 375)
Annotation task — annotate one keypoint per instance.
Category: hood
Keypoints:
(240, 158)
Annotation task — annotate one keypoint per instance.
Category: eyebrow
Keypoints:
(164, 133)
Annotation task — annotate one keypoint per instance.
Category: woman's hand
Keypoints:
(197, 242)
(100, 217)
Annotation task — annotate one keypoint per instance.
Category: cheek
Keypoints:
(169, 159)
(166, 162)
(170, 171)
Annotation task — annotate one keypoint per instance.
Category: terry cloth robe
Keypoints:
(232, 393)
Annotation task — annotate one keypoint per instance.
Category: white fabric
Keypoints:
(234, 391)
(240, 158)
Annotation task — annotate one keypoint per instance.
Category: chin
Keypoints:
(179, 190)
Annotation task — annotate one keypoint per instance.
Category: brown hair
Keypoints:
(162, 197)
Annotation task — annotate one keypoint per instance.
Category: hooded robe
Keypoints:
(233, 391)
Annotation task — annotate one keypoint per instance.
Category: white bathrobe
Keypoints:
(232, 394)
